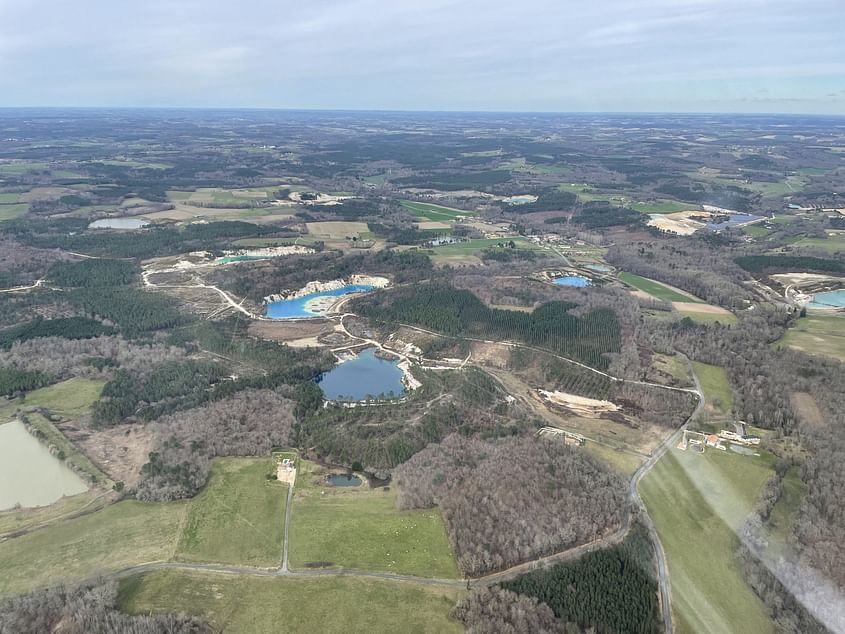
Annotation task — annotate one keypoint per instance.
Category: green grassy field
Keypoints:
(717, 389)
(8, 212)
(252, 605)
(623, 461)
(8, 199)
(361, 528)
(783, 513)
(430, 211)
(696, 503)
(121, 535)
(238, 517)
(708, 317)
(586, 194)
(655, 289)
(24, 519)
(70, 398)
(663, 206)
(833, 243)
(820, 335)
(219, 196)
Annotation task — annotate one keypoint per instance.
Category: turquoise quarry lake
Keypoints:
(29, 474)
(364, 376)
(828, 299)
(572, 280)
(304, 306)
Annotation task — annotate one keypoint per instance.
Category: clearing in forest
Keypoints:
(707, 496)
(434, 212)
(657, 289)
(820, 335)
(338, 230)
(717, 389)
(359, 527)
(267, 605)
(238, 518)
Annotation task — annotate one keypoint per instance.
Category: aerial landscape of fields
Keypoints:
(368, 317)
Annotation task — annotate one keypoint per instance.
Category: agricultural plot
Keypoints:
(218, 196)
(70, 398)
(662, 206)
(656, 289)
(833, 243)
(714, 383)
(697, 502)
(820, 335)
(255, 605)
(467, 252)
(238, 517)
(338, 230)
(12, 210)
(705, 313)
(431, 211)
(358, 527)
(121, 535)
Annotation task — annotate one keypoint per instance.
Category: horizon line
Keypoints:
(424, 111)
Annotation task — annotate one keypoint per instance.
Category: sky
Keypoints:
(514, 55)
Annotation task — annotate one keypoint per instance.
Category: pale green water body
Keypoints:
(29, 474)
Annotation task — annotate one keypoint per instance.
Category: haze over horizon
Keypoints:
(773, 56)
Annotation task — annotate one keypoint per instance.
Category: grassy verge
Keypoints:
(70, 398)
(714, 383)
(696, 503)
(17, 520)
(704, 317)
(821, 335)
(122, 535)
(361, 528)
(655, 289)
(238, 517)
(251, 605)
(72, 455)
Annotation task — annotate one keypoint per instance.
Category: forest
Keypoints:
(86, 609)
(609, 590)
(486, 490)
(460, 313)
(66, 327)
(249, 423)
(781, 263)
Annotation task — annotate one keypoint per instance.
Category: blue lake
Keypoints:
(365, 375)
(299, 307)
(572, 280)
(828, 299)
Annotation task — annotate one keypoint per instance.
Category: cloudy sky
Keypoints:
(547, 55)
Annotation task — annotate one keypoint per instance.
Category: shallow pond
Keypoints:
(118, 223)
(364, 376)
(735, 220)
(745, 451)
(311, 305)
(572, 280)
(599, 268)
(29, 474)
(828, 299)
(342, 480)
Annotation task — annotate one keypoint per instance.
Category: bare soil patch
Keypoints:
(290, 330)
(806, 407)
(694, 307)
(119, 451)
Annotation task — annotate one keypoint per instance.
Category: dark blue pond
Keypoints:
(342, 480)
(364, 376)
